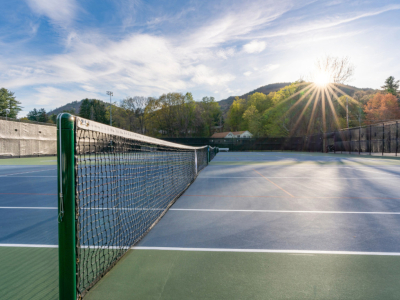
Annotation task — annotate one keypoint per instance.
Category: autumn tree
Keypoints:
(382, 107)
(391, 86)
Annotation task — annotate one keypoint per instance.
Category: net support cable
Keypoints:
(114, 186)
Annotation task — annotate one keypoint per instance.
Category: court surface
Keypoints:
(254, 225)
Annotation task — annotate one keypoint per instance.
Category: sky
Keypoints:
(53, 52)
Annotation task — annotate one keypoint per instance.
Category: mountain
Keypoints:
(70, 107)
(266, 89)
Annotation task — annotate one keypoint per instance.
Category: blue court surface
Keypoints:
(253, 225)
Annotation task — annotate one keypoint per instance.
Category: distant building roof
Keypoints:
(220, 135)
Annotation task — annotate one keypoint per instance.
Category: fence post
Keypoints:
(383, 137)
(359, 140)
(349, 140)
(334, 142)
(390, 139)
(370, 140)
(397, 136)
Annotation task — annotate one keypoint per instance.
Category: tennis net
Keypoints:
(122, 183)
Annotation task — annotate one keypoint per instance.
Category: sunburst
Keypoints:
(321, 90)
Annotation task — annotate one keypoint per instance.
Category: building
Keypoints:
(231, 135)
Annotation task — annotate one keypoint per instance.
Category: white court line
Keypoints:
(25, 176)
(269, 251)
(29, 245)
(25, 207)
(301, 177)
(222, 250)
(27, 172)
(287, 211)
(225, 210)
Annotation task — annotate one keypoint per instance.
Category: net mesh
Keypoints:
(123, 186)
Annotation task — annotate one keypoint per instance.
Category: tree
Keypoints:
(234, 119)
(135, 110)
(391, 86)
(9, 106)
(38, 115)
(338, 69)
(95, 110)
(382, 107)
(254, 120)
(32, 115)
(211, 114)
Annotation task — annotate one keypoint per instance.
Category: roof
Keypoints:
(220, 134)
(224, 134)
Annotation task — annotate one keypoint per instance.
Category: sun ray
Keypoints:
(303, 111)
(346, 86)
(345, 94)
(301, 99)
(323, 110)
(294, 95)
(313, 113)
(336, 97)
(336, 118)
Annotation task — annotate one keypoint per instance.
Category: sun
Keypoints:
(322, 79)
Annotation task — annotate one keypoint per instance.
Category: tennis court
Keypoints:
(253, 225)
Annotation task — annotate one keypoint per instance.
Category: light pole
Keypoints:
(111, 94)
(7, 112)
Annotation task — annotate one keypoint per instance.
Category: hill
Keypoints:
(224, 103)
(266, 89)
(70, 107)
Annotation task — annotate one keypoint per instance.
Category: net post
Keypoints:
(208, 154)
(66, 207)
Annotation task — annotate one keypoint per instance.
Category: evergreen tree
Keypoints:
(93, 109)
(33, 115)
(391, 86)
(38, 115)
(9, 106)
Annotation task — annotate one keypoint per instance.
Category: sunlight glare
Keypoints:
(322, 79)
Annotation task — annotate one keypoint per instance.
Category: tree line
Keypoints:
(277, 114)
(295, 111)
(170, 115)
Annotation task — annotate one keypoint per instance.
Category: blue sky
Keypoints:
(56, 51)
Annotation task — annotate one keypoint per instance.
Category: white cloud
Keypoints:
(271, 67)
(226, 53)
(204, 75)
(254, 47)
(61, 12)
(248, 73)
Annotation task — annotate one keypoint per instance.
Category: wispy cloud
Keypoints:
(60, 12)
(208, 47)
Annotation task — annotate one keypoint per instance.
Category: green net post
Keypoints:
(66, 207)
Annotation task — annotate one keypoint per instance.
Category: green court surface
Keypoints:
(28, 161)
(28, 273)
(155, 274)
